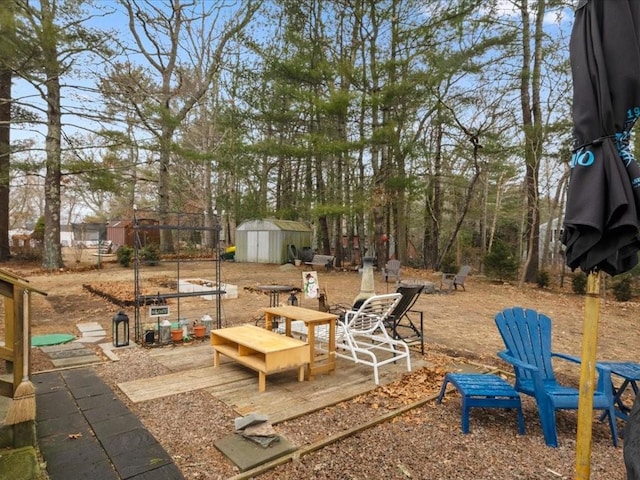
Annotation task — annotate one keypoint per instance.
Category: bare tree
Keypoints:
(53, 39)
(184, 51)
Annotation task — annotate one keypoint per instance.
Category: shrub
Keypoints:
(579, 283)
(150, 254)
(38, 230)
(417, 262)
(622, 288)
(501, 262)
(124, 254)
(448, 264)
(543, 279)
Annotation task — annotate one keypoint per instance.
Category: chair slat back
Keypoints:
(371, 314)
(410, 296)
(527, 337)
(462, 274)
(393, 267)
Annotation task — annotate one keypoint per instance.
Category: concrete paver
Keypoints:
(85, 431)
(247, 454)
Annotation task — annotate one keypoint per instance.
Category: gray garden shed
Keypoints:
(271, 240)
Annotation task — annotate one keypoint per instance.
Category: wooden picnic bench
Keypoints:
(325, 261)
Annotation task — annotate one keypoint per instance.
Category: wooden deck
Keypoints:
(237, 386)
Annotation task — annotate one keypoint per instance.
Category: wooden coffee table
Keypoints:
(312, 319)
(261, 350)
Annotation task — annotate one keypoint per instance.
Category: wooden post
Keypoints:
(587, 376)
(16, 348)
(18, 336)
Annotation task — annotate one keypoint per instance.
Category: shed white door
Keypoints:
(258, 247)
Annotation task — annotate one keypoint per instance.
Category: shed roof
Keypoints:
(119, 223)
(274, 224)
(129, 223)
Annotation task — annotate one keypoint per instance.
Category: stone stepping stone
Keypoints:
(92, 340)
(60, 348)
(75, 361)
(88, 327)
(247, 454)
(92, 332)
(71, 354)
(77, 352)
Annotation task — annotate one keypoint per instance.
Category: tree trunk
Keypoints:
(434, 207)
(51, 250)
(5, 159)
(164, 187)
(7, 50)
(532, 126)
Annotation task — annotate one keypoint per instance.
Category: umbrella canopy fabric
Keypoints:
(603, 204)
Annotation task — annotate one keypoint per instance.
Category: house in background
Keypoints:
(89, 234)
(66, 235)
(550, 242)
(121, 232)
(22, 243)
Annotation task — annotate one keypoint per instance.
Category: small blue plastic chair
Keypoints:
(527, 337)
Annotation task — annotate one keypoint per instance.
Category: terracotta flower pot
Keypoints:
(176, 335)
(199, 331)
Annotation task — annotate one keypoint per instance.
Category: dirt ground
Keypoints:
(461, 322)
(458, 324)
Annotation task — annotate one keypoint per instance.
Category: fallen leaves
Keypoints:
(120, 293)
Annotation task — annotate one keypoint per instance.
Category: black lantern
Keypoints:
(293, 300)
(120, 324)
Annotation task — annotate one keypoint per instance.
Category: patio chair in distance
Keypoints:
(399, 321)
(391, 270)
(527, 337)
(451, 280)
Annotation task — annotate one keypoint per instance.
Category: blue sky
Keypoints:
(110, 15)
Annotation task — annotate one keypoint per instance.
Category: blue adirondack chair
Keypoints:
(527, 337)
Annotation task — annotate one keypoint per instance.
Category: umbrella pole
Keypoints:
(587, 376)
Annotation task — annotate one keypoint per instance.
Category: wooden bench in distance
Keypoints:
(104, 250)
(325, 261)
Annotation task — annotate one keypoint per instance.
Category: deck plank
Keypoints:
(286, 398)
(184, 381)
(184, 357)
(237, 386)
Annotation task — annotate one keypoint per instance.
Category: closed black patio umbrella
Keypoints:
(601, 219)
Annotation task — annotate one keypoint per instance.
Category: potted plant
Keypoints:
(176, 335)
(199, 331)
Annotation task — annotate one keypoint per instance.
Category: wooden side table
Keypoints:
(312, 319)
(261, 350)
